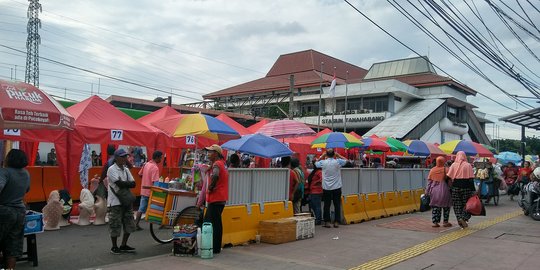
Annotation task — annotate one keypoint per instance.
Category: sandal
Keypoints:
(447, 224)
(435, 225)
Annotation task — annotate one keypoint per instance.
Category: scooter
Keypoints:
(530, 200)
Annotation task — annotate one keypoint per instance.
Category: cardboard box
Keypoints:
(277, 231)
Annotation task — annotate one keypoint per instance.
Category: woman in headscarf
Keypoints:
(461, 173)
(439, 192)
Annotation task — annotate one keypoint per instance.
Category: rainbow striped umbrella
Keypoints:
(421, 148)
(400, 146)
(377, 144)
(470, 148)
(197, 125)
(336, 140)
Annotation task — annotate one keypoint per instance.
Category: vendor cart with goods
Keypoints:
(487, 182)
(171, 205)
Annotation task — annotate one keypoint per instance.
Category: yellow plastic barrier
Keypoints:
(276, 210)
(406, 202)
(416, 195)
(374, 206)
(354, 210)
(391, 203)
(238, 225)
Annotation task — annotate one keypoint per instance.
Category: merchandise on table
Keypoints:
(185, 240)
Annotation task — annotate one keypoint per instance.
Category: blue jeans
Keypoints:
(315, 204)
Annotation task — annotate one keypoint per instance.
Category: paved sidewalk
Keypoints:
(487, 247)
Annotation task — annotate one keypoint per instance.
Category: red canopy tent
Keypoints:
(302, 145)
(235, 125)
(97, 121)
(255, 127)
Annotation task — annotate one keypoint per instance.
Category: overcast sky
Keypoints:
(196, 47)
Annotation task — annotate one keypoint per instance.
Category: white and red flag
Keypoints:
(332, 91)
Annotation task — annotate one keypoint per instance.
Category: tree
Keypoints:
(532, 145)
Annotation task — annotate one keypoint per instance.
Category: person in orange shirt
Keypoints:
(149, 174)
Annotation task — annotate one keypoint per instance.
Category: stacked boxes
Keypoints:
(285, 230)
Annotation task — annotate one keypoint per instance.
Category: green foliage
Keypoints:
(532, 145)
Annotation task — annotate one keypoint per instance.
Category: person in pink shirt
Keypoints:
(149, 173)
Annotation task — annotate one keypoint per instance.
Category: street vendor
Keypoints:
(217, 194)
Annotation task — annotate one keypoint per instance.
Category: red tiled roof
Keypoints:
(305, 66)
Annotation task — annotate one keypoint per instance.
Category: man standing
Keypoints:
(14, 184)
(149, 173)
(217, 194)
(51, 158)
(120, 216)
(331, 173)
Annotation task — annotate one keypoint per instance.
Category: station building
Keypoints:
(404, 98)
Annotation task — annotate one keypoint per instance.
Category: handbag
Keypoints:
(474, 206)
(124, 195)
(101, 190)
(424, 203)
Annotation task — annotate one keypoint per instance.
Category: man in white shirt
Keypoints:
(331, 184)
(120, 216)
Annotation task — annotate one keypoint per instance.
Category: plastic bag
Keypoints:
(474, 206)
(424, 203)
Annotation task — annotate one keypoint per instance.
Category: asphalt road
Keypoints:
(77, 247)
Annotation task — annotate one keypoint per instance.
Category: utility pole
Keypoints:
(291, 96)
(320, 100)
(346, 97)
(32, 43)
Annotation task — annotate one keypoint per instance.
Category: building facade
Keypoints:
(404, 98)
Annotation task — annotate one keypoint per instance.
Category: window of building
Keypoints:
(310, 108)
(376, 104)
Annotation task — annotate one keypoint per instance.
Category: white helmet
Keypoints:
(536, 173)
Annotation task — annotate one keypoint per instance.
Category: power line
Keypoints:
(414, 51)
(103, 75)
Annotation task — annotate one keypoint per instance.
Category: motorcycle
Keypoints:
(530, 200)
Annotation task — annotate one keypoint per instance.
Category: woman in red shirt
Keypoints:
(524, 174)
(314, 189)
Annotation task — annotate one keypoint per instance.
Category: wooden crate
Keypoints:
(277, 231)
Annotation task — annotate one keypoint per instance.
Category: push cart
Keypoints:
(488, 185)
(168, 208)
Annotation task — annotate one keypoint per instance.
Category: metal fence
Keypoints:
(247, 186)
